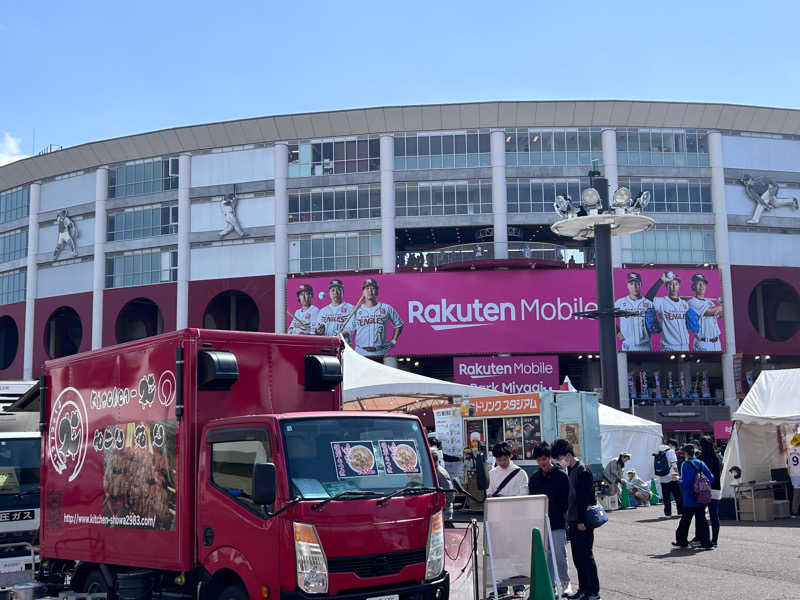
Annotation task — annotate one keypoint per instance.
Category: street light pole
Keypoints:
(596, 217)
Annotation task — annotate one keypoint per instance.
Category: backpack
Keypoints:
(661, 464)
(702, 486)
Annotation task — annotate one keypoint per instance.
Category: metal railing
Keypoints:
(464, 253)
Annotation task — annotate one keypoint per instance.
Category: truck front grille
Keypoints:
(376, 565)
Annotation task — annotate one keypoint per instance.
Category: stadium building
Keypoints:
(449, 208)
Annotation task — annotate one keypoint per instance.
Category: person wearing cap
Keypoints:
(613, 472)
(707, 339)
(631, 331)
(638, 488)
(367, 328)
(332, 318)
(672, 311)
(793, 464)
(305, 317)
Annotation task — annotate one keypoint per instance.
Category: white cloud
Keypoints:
(9, 149)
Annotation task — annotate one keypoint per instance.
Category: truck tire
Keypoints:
(233, 592)
(95, 583)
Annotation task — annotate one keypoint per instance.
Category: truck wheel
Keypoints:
(95, 583)
(233, 592)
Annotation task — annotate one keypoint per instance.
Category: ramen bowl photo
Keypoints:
(360, 460)
(405, 457)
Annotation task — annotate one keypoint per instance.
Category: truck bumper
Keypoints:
(439, 589)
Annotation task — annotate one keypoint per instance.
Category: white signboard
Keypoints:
(511, 520)
(448, 428)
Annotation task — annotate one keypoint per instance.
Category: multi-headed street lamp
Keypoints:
(596, 217)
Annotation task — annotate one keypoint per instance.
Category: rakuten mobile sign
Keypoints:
(508, 374)
(450, 313)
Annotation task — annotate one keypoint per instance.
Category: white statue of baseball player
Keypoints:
(708, 338)
(368, 326)
(304, 320)
(672, 310)
(332, 318)
(67, 232)
(228, 206)
(631, 331)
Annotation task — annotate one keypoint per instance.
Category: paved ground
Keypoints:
(635, 560)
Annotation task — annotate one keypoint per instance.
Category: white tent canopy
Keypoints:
(365, 378)
(770, 409)
(623, 432)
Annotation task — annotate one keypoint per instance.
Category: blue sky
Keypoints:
(82, 71)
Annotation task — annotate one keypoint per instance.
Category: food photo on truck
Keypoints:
(219, 465)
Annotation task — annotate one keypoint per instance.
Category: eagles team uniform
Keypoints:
(368, 326)
(333, 317)
(708, 338)
(632, 328)
(674, 335)
(308, 316)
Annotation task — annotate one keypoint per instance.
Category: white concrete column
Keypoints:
(499, 204)
(31, 277)
(99, 266)
(281, 234)
(184, 233)
(723, 264)
(609, 140)
(388, 260)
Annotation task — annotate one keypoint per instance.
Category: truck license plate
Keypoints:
(389, 597)
(16, 515)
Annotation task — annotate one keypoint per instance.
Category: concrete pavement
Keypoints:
(753, 561)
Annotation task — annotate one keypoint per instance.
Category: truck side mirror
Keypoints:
(481, 472)
(323, 372)
(264, 480)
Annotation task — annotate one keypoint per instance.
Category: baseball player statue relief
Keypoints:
(332, 318)
(706, 332)
(304, 319)
(228, 207)
(67, 233)
(367, 328)
(672, 310)
(632, 331)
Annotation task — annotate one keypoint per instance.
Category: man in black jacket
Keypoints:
(552, 481)
(581, 497)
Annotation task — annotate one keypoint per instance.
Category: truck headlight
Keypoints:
(434, 553)
(312, 566)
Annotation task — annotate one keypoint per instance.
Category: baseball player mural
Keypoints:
(333, 317)
(704, 322)
(304, 319)
(631, 331)
(367, 329)
(671, 310)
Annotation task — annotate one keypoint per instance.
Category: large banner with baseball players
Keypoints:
(506, 311)
(669, 311)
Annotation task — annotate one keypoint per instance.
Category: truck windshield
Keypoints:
(19, 472)
(328, 456)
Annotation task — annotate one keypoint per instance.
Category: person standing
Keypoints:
(506, 478)
(708, 338)
(793, 463)
(669, 482)
(692, 509)
(631, 331)
(333, 317)
(581, 497)
(304, 320)
(552, 481)
(712, 460)
(446, 483)
(672, 310)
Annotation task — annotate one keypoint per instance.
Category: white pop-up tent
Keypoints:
(771, 410)
(366, 379)
(624, 432)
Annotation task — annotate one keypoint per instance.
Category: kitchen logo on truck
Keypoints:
(68, 434)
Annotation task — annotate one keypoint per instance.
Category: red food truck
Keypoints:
(217, 464)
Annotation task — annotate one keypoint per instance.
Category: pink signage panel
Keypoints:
(723, 429)
(675, 311)
(452, 313)
(508, 374)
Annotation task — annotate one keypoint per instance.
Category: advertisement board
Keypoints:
(508, 374)
(448, 313)
(676, 311)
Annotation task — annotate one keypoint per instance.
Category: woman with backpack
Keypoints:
(710, 457)
(695, 483)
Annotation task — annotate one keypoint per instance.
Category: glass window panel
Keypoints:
(460, 143)
(472, 143)
(411, 146)
(448, 144)
(484, 143)
(559, 141)
(363, 149)
(423, 145)
(374, 148)
(572, 141)
(436, 144)
(547, 141)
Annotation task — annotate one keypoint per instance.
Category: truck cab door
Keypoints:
(232, 531)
